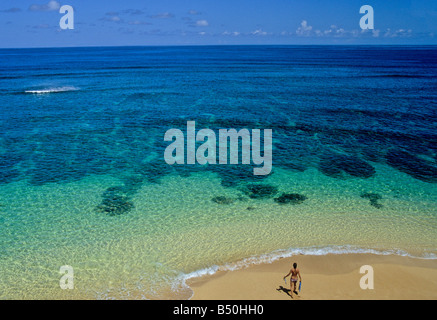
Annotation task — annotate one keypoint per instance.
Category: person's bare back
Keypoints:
(295, 275)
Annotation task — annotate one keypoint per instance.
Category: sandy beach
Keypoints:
(324, 277)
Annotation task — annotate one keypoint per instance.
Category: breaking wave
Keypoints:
(52, 90)
(181, 281)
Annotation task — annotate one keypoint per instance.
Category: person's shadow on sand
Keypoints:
(287, 291)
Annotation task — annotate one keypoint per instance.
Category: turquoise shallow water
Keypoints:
(84, 183)
(147, 252)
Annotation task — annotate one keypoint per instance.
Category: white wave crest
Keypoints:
(180, 282)
(52, 90)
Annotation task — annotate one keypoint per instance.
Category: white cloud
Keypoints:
(340, 32)
(50, 6)
(134, 11)
(112, 17)
(259, 32)
(401, 33)
(304, 29)
(355, 33)
(227, 33)
(202, 23)
(335, 31)
(138, 23)
(165, 15)
(387, 33)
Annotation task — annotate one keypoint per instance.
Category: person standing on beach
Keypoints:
(295, 273)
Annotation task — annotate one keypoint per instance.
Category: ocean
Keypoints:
(84, 183)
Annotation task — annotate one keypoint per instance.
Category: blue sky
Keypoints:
(35, 23)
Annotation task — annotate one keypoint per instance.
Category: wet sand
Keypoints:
(330, 276)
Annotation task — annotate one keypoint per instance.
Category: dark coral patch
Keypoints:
(8, 175)
(374, 198)
(290, 198)
(115, 202)
(132, 184)
(335, 165)
(9, 160)
(412, 165)
(154, 171)
(259, 191)
(371, 196)
(223, 200)
(115, 206)
(232, 175)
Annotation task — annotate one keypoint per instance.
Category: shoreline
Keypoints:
(324, 277)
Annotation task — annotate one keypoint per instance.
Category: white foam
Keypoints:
(181, 280)
(52, 90)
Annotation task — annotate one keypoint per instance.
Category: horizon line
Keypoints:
(225, 45)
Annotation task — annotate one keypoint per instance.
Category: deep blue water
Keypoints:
(83, 179)
(364, 104)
